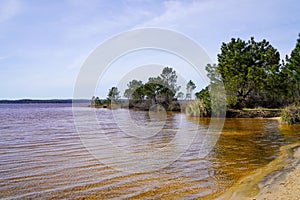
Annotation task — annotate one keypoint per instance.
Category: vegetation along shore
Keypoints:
(256, 81)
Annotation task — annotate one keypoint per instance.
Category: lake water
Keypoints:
(42, 156)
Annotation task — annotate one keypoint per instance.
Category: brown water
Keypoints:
(41, 156)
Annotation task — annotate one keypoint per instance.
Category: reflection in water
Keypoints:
(41, 156)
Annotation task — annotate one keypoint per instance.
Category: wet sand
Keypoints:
(279, 180)
(286, 186)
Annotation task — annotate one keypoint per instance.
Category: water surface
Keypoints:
(41, 156)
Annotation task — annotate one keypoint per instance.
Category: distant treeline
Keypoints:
(20, 101)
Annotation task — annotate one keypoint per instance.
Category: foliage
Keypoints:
(96, 101)
(213, 74)
(190, 86)
(169, 79)
(246, 68)
(292, 70)
(250, 71)
(174, 106)
(113, 94)
(135, 91)
(160, 89)
(204, 96)
(214, 99)
(290, 115)
(169, 84)
(197, 109)
(153, 88)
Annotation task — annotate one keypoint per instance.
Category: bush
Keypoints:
(205, 97)
(290, 115)
(174, 106)
(197, 108)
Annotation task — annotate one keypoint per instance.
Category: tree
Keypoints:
(134, 91)
(169, 83)
(153, 88)
(245, 68)
(205, 97)
(276, 88)
(113, 94)
(160, 89)
(190, 86)
(163, 88)
(169, 78)
(213, 74)
(95, 101)
(292, 70)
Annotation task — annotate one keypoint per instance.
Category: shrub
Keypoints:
(290, 115)
(174, 106)
(197, 108)
(205, 97)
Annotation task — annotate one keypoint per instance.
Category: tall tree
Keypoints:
(113, 94)
(162, 88)
(170, 88)
(134, 90)
(169, 80)
(245, 68)
(213, 74)
(153, 88)
(292, 68)
(190, 86)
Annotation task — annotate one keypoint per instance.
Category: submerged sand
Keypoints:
(280, 179)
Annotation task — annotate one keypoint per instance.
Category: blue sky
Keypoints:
(44, 43)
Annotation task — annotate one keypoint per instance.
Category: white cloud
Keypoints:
(9, 9)
(213, 16)
(59, 43)
(211, 22)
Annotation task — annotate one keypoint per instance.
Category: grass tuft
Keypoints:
(290, 115)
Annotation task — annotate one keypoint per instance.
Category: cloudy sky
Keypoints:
(43, 44)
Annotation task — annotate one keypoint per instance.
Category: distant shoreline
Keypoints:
(24, 101)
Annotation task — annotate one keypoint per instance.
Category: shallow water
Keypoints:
(42, 156)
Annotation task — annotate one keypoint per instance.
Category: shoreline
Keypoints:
(286, 185)
(280, 179)
(230, 113)
(253, 113)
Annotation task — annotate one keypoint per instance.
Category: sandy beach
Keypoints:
(286, 186)
(279, 180)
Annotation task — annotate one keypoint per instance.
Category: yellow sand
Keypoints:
(285, 188)
(280, 179)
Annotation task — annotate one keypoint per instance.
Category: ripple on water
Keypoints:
(41, 156)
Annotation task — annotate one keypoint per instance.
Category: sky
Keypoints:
(43, 44)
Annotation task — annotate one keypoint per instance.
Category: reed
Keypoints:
(196, 108)
(290, 115)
